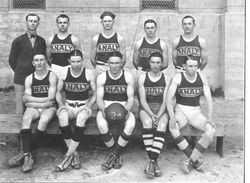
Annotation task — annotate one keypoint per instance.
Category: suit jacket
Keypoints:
(21, 56)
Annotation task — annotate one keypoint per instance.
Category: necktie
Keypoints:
(32, 40)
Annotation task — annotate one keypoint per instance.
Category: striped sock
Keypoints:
(121, 143)
(147, 136)
(183, 145)
(108, 139)
(200, 147)
(159, 139)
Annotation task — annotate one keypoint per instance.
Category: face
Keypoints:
(63, 24)
(39, 62)
(76, 63)
(188, 25)
(32, 23)
(155, 64)
(107, 23)
(115, 64)
(150, 30)
(191, 67)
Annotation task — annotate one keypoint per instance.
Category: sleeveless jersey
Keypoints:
(188, 48)
(76, 88)
(189, 93)
(60, 50)
(104, 46)
(40, 88)
(145, 50)
(154, 90)
(115, 89)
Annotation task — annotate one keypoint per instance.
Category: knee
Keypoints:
(43, 122)
(81, 119)
(147, 123)
(27, 119)
(63, 118)
(175, 132)
(210, 132)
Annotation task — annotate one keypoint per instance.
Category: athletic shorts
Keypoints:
(154, 107)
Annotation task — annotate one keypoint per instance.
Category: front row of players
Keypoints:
(76, 92)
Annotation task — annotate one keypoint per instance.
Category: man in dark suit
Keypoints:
(21, 56)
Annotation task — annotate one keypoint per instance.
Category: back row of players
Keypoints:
(114, 84)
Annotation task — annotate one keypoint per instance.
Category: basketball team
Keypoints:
(50, 78)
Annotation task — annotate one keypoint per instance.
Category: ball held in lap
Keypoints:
(115, 111)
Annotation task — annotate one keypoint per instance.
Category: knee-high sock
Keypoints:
(67, 134)
(200, 147)
(76, 137)
(183, 145)
(147, 136)
(40, 136)
(121, 143)
(26, 139)
(159, 139)
(108, 139)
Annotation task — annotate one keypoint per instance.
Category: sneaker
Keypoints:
(150, 169)
(16, 160)
(118, 162)
(198, 165)
(28, 163)
(65, 163)
(109, 163)
(158, 171)
(76, 164)
(188, 165)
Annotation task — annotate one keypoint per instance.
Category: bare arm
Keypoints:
(48, 49)
(136, 54)
(174, 50)
(59, 96)
(204, 57)
(91, 78)
(100, 91)
(122, 44)
(130, 91)
(164, 48)
(76, 42)
(93, 50)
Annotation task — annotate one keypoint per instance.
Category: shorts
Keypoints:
(41, 110)
(59, 70)
(154, 107)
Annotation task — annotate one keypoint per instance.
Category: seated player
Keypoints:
(40, 91)
(76, 84)
(115, 85)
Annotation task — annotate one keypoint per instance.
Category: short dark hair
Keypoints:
(189, 57)
(188, 16)
(32, 14)
(156, 54)
(115, 54)
(39, 53)
(107, 13)
(150, 21)
(62, 16)
(76, 52)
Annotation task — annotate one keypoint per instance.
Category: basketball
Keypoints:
(115, 111)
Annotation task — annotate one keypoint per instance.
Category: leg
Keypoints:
(19, 89)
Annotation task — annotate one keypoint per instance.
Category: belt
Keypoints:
(101, 63)
(76, 104)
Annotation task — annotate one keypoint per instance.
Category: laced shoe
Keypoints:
(198, 165)
(118, 162)
(16, 160)
(28, 163)
(76, 164)
(158, 171)
(188, 165)
(109, 163)
(150, 169)
(65, 163)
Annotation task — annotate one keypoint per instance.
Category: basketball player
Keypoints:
(189, 43)
(115, 85)
(147, 45)
(76, 84)
(40, 91)
(153, 87)
(60, 45)
(106, 42)
(187, 87)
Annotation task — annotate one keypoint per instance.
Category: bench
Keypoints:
(11, 123)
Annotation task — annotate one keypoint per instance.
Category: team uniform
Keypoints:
(60, 50)
(103, 47)
(185, 48)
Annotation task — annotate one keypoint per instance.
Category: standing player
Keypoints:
(189, 43)
(40, 91)
(21, 56)
(106, 42)
(146, 46)
(77, 84)
(115, 85)
(188, 86)
(60, 45)
(153, 87)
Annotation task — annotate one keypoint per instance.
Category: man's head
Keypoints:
(115, 62)
(188, 24)
(76, 60)
(107, 20)
(62, 23)
(39, 61)
(190, 65)
(32, 21)
(155, 62)
(150, 27)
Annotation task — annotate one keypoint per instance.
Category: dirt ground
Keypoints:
(229, 169)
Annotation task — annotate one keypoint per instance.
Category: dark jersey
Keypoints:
(145, 50)
(76, 88)
(188, 48)
(154, 90)
(60, 50)
(40, 88)
(104, 46)
(115, 89)
(189, 93)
